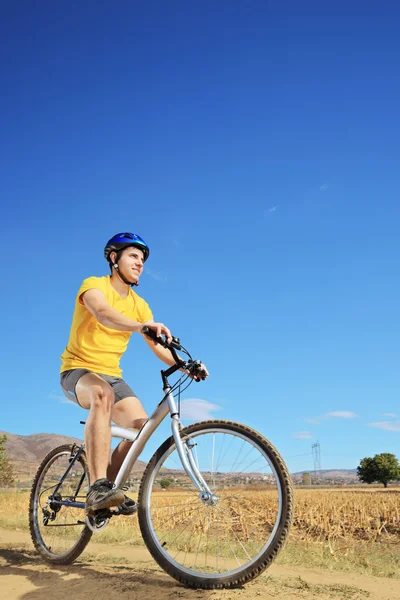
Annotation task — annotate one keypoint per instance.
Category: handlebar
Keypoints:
(193, 366)
(175, 343)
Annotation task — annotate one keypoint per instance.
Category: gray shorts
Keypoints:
(69, 379)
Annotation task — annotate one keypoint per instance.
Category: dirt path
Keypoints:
(125, 572)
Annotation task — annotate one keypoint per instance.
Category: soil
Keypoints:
(126, 572)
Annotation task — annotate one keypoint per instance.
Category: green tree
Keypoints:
(306, 479)
(381, 468)
(165, 483)
(6, 469)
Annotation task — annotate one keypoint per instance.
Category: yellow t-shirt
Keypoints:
(93, 346)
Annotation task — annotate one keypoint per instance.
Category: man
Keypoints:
(107, 312)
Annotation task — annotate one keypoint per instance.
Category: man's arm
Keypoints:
(96, 302)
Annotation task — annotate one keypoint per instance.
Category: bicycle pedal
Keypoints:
(102, 513)
(125, 511)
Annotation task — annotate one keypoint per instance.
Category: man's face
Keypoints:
(131, 263)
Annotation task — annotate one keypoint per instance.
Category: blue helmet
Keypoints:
(123, 240)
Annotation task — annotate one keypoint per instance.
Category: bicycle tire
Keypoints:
(68, 557)
(282, 531)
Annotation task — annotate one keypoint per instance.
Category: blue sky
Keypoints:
(255, 147)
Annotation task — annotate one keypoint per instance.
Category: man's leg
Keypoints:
(128, 412)
(96, 395)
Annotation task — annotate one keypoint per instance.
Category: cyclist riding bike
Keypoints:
(107, 311)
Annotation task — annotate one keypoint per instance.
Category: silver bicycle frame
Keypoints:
(139, 440)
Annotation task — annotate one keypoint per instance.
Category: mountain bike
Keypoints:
(215, 503)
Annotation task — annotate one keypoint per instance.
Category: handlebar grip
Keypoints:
(146, 330)
(152, 334)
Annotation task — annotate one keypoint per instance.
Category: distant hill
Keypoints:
(329, 473)
(26, 452)
(329, 476)
(33, 448)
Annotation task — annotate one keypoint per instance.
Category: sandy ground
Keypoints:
(123, 572)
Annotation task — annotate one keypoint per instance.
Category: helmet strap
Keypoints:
(122, 276)
(114, 267)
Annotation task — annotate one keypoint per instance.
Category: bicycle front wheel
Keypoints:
(228, 539)
(59, 532)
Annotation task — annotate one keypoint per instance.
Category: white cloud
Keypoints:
(392, 415)
(337, 414)
(155, 275)
(303, 435)
(323, 187)
(66, 401)
(197, 410)
(341, 414)
(386, 425)
(272, 209)
(60, 398)
(313, 421)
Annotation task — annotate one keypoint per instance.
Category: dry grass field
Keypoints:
(343, 529)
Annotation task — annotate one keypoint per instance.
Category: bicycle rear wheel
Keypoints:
(229, 539)
(59, 533)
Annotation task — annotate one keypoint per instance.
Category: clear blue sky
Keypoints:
(255, 146)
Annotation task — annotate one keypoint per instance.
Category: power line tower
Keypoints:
(316, 452)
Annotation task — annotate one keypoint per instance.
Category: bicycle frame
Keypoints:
(139, 440)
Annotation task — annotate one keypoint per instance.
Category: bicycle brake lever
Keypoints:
(196, 370)
(175, 343)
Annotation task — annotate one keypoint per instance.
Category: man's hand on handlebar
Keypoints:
(198, 373)
(159, 329)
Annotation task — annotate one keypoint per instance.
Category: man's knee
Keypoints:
(102, 398)
(138, 423)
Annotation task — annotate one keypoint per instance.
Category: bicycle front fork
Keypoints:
(185, 450)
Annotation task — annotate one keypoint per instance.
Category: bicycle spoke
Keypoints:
(198, 545)
(175, 515)
(240, 543)
(181, 505)
(236, 536)
(179, 534)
